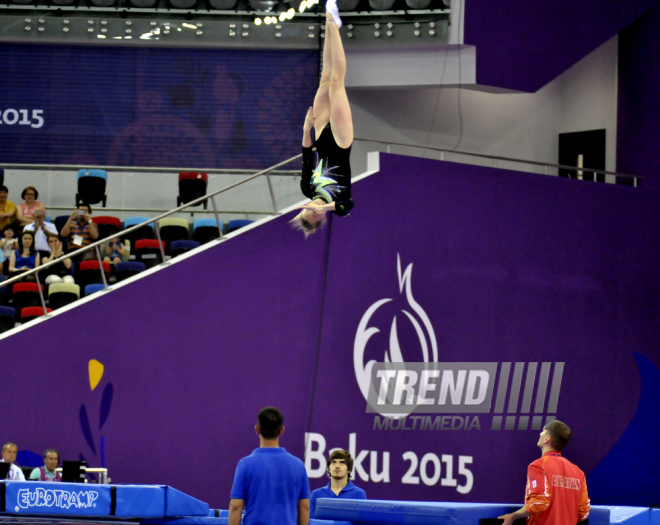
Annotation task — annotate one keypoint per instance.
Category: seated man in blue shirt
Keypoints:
(340, 466)
(270, 484)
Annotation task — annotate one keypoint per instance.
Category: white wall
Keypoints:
(517, 125)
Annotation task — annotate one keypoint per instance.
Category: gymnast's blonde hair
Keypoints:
(298, 223)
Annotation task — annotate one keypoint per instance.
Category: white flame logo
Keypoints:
(393, 355)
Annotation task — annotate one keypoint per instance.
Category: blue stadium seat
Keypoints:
(91, 186)
(124, 270)
(235, 225)
(93, 288)
(146, 232)
(7, 318)
(205, 230)
(179, 247)
(60, 221)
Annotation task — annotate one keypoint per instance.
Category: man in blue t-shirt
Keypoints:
(270, 484)
(340, 466)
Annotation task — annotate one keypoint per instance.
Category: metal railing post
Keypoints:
(41, 293)
(160, 242)
(98, 256)
(272, 193)
(217, 217)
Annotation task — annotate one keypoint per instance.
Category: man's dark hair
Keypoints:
(4, 188)
(270, 422)
(340, 454)
(52, 451)
(85, 204)
(559, 433)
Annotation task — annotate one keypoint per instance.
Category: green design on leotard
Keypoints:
(325, 186)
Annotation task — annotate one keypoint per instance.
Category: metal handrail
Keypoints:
(97, 244)
(508, 159)
(163, 210)
(75, 167)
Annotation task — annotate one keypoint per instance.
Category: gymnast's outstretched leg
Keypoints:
(341, 120)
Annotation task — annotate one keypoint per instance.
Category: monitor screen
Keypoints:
(74, 471)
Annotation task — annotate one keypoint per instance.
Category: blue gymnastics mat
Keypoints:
(423, 513)
(83, 500)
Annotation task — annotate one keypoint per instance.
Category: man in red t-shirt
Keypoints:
(556, 489)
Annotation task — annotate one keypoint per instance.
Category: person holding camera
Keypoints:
(114, 251)
(81, 231)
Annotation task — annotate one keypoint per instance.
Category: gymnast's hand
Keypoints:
(309, 120)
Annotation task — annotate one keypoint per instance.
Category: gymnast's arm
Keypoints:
(236, 507)
(303, 511)
(308, 156)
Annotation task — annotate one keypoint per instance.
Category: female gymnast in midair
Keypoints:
(327, 179)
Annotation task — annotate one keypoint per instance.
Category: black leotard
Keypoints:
(330, 178)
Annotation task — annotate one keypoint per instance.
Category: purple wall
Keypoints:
(508, 267)
(523, 45)
(639, 99)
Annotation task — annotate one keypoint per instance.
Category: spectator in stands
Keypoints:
(25, 212)
(340, 466)
(114, 251)
(7, 208)
(81, 230)
(41, 230)
(60, 272)
(7, 244)
(9, 451)
(49, 471)
(25, 257)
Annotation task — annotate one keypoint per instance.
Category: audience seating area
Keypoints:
(21, 302)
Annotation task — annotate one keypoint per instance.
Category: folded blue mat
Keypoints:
(422, 512)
